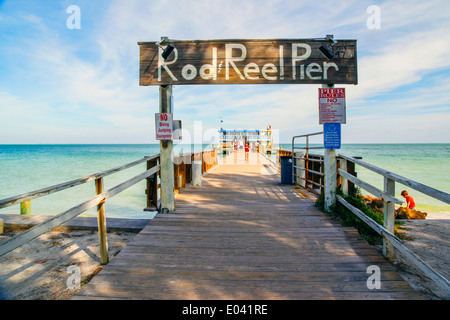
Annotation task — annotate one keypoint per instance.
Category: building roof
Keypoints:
(238, 130)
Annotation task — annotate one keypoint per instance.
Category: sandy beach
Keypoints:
(429, 239)
(39, 270)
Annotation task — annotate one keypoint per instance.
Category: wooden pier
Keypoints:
(243, 235)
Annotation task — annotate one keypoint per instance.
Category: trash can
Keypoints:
(286, 169)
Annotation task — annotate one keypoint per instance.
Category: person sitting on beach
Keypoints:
(410, 203)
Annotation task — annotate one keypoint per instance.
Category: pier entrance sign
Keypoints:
(164, 126)
(332, 105)
(285, 61)
(238, 61)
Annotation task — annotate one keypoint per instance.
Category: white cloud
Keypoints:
(413, 43)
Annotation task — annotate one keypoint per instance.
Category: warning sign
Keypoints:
(332, 135)
(164, 126)
(332, 105)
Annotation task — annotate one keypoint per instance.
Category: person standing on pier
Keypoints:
(247, 150)
(410, 203)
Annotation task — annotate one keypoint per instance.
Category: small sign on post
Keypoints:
(332, 105)
(164, 126)
(332, 135)
(177, 130)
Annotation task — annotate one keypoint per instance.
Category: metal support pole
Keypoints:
(166, 156)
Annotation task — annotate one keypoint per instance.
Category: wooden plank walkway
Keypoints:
(243, 235)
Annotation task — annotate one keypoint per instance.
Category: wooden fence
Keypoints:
(313, 168)
(183, 167)
(182, 175)
(390, 241)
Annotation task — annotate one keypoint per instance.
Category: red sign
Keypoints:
(164, 126)
(332, 105)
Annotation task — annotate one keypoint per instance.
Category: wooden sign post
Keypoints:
(166, 155)
(330, 168)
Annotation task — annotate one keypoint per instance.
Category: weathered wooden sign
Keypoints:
(289, 61)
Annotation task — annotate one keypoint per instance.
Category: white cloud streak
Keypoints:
(394, 70)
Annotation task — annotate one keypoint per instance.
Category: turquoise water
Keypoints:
(428, 164)
(25, 168)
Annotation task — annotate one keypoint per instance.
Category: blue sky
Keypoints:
(61, 85)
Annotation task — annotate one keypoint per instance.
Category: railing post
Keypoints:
(389, 217)
(302, 173)
(101, 219)
(152, 185)
(197, 170)
(294, 169)
(344, 182)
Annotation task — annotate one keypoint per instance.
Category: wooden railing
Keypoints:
(182, 176)
(308, 170)
(99, 201)
(390, 241)
(183, 166)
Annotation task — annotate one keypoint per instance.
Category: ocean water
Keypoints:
(428, 164)
(25, 168)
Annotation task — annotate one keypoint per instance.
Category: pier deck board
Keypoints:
(243, 235)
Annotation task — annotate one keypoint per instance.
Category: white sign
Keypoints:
(177, 130)
(332, 105)
(164, 126)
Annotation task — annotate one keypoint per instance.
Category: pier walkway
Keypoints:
(243, 235)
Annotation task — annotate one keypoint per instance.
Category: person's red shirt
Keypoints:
(411, 202)
(247, 148)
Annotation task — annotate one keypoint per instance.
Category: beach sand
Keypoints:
(429, 239)
(39, 269)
